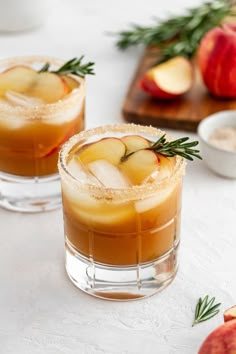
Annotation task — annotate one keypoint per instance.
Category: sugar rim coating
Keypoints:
(46, 110)
(124, 194)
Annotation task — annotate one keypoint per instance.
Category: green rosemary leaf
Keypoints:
(73, 66)
(205, 309)
(178, 35)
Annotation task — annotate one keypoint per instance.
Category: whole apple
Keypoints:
(216, 59)
(221, 341)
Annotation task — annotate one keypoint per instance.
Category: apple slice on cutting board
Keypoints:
(170, 79)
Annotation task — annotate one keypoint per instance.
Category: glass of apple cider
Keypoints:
(38, 113)
(122, 205)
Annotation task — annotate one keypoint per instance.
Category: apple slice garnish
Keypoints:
(18, 79)
(169, 79)
(140, 165)
(71, 82)
(109, 149)
(108, 175)
(49, 87)
(230, 314)
(134, 143)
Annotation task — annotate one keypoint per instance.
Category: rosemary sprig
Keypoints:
(73, 66)
(205, 309)
(178, 35)
(173, 148)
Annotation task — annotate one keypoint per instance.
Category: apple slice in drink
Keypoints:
(71, 82)
(49, 87)
(109, 149)
(138, 166)
(134, 143)
(18, 79)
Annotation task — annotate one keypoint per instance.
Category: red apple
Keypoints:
(169, 79)
(216, 59)
(221, 341)
(230, 314)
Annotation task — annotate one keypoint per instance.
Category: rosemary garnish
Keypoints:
(205, 309)
(73, 66)
(178, 35)
(173, 148)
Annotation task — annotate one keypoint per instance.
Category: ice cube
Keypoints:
(9, 120)
(109, 175)
(19, 99)
(78, 171)
(149, 203)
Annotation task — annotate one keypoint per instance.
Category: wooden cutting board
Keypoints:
(183, 113)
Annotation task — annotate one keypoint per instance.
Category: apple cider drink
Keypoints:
(122, 204)
(40, 110)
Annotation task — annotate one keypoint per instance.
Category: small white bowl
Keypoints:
(220, 161)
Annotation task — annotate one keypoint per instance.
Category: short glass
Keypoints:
(30, 138)
(120, 244)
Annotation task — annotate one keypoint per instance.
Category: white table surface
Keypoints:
(40, 310)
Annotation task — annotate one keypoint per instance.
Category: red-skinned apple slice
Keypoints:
(109, 149)
(230, 314)
(144, 166)
(140, 165)
(108, 174)
(221, 341)
(71, 82)
(169, 79)
(49, 87)
(73, 129)
(18, 79)
(134, 143)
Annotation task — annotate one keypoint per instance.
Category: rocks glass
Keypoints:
(32, 131)
(121, 239)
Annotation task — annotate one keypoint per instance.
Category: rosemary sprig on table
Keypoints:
(73, 66)
(178, 35)
(205, 309)
(173, 148)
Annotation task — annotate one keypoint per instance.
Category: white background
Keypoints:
(40, 310)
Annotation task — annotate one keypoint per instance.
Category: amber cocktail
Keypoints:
(39, 111)
(122, 205)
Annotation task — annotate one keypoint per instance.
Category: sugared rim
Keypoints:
(131, 193)
(46, 108)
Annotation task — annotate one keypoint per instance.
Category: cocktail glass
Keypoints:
(120, 242)
(31, 134)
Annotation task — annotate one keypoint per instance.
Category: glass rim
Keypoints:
(130, 193)
(45, 108)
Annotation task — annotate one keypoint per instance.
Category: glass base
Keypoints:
(121, 283)
(30, 194)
